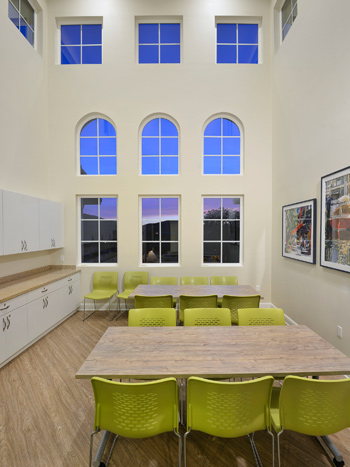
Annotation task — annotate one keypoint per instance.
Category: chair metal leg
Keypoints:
(180, 448)
(91, 443)
(86, 317)
(255, 451)
(100, 449)
(278, 448)
(184, 444)
(273, 446)
(330, 449)
(111, 450)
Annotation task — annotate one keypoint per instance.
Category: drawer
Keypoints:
(69, 280)
(10, 305)
(42, 291)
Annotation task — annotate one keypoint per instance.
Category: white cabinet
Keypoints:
(1, 227)
(13, 320)
(42, 310)
(20, 223)
(51, 224)
(69, 295)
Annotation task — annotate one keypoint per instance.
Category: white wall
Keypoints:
(311, 115)
(190, 92)
(23, 122)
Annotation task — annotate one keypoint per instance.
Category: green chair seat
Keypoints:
(236, 302)
(131, 280)
(196, 301)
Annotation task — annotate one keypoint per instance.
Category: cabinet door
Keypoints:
(57, 223)
(12, 219)
(36, 318)
(51, 311)
(45, 224)
(2, 339)
(16, 334)
(30, 223)
(1, 228)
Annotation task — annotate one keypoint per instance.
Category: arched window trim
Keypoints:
(236, 121)
(144, 122)
(82, 122)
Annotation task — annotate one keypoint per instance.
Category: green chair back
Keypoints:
(223, 280)
(261, 317)
(131, 280)
(194, 301)
(152, 317)
(236, 302)
(207, 317)
(136, 410)
(105, 285)
(156, 301)
(157, 280)
(191, 280)
(312, 406)
(228, 410)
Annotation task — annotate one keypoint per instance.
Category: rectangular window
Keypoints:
(21, 13)
(98, 217)
(159, 42)
(222, 230)
(237, 43)
(81, 44)
(160, 230)
(289, 12)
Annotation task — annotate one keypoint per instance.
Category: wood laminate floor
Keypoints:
(46, 415)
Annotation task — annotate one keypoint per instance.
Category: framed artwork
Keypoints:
(335, 220)
(299, 231)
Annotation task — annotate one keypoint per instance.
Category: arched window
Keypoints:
(222, 148)
(98, 148)
(160, 148)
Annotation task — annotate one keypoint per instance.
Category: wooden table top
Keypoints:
(212, 351)
(177, 290)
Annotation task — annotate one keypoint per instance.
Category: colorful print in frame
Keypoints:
(335, 220)
(299, 231)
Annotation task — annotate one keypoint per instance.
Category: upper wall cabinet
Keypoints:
(51, 224)
(20, 223)
(29, 223)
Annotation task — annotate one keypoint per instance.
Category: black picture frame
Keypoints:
(335, 220)
(299, 231)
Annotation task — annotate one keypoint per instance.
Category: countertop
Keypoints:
(19, 284)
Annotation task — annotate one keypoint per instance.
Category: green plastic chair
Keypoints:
(223, 280)
(105, 285)
(192, 280)
(229, 410)
(261, 317)
(236, 302)
(310, 406)
(196, 301)
(152, 317)
(131, 280)
(158, 280)
(156, 301)
(136, 410)
(207, 317)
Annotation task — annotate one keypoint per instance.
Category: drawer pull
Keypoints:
(8, 321)
(5, 308)
(44, 290)
(4, 324)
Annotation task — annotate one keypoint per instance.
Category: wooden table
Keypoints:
(177, 290)
(216, 352)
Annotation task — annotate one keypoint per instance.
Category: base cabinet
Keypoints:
(29, 316)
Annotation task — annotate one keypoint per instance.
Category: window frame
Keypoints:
(159, 156)
(80, 127)
(221, 241)
(239, 124)
(79, 231)
(294, 6)
(71, 21)
(241, 20)
(157, 20)
(34, 29)
(141, 241)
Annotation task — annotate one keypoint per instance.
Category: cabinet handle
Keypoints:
(70, 279)
(25, 245)
(22, 245)
(54, 242)
(43, 303)
(5, 307)
(4, 325)
(44, 290)
(8, 321)
(47, 301)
